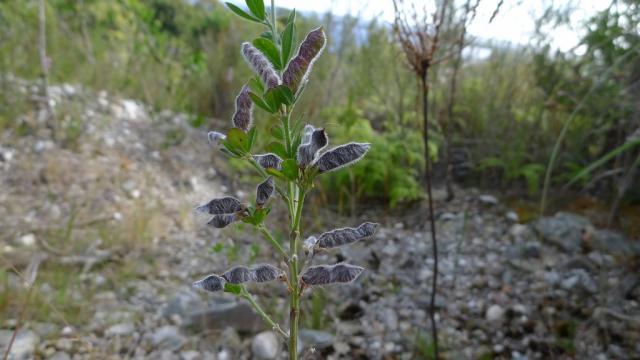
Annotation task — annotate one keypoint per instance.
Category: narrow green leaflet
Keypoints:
(252, 138)
(232, 288)
(270, 50)
(288, 38)
(238, 140)
(278, 96)
(257, 8)
(261, 103)
(241, 12)
(278, 149)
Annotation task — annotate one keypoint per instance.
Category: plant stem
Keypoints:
(275, 326)
(434, 284)
(294, 314)
(273, 241)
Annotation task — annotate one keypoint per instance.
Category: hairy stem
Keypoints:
(274, 326)
(294, 244)
(434, 284)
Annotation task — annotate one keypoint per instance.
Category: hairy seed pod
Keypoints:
(222, 220)
(317, 275)
(341, 156)
(210, 283)
(238, 275)
(261, 65)
(264, 191)
(344, 273)
(215, 138)
(266, 272)
(298, 69)
(225, 205)
(269, 161)
(308, 150)
(243, 116)
(344, 236)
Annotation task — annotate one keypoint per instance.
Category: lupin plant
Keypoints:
(293, 160)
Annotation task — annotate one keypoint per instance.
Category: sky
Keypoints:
(514, 23)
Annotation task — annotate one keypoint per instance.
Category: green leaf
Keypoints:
(267, 35)
(256, 85)
(278, 96)
(292, 17)
(278, 149)
(276, 173)
(261, 103)
(238, 139)
(290, 169)
(232, 288)
(270, 50)
(241, 13)
(252, 138)
(277, 133)
(288, 38)
(257, 217)
(257, 8)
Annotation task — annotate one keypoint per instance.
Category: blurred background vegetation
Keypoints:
(512, 106)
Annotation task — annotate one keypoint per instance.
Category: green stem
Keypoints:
(274, 326)
(294, 314)
(273, 241)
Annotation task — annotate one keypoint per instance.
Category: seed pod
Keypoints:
(341, 156)
(264, 191)
(344, 273)
(316, 140)
(243, 116)
(261, 65)
(238, 275)
(225, 205)
(210, 283)
(266, 272)
(222, 220)
(215, 138)
(317, 275)
(298, 69)
(269, 161)
(344, 236)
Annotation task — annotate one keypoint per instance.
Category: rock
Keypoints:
(27, 240)
(24, 345)
(190, 355)
(495, 313)
(185, 302)
(265, 345)
(167, 338)
(315, 338)
(123, 329)
(60, 355)
(579, 280)
(563, 230)
(489, 200)
(512, 216)
(447, 216)
(611, 242)
(223, 314)
(390, 319)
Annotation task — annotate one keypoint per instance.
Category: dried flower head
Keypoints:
(243, 116)
(210, 283)
(344, 236)
(299, 67)
(261, 65)
(225, 205)
(238, 275)
(269, 161)
(313, 141)
(264, 191)
(341, 156)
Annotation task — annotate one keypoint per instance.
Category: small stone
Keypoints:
(24, 345)
(60, 355)
(495, 313)
(123, 329)
(316, 338)
(265, 345)
(512, 216)
(27, 240)
(488, 200)
(168, 338)
(190, 355)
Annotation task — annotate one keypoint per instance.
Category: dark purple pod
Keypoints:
(261, 65)
(344, 236)
(238, 275)
(264, 191)
(210, 283)
(225, 205)
(243, 116)
(317, 275)
(215, 138)
(345, 273)
(269, 161)
(313, 141)
(341, 156)
(309, 245)
(266, 272)
(222, 220)
(300, 65)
